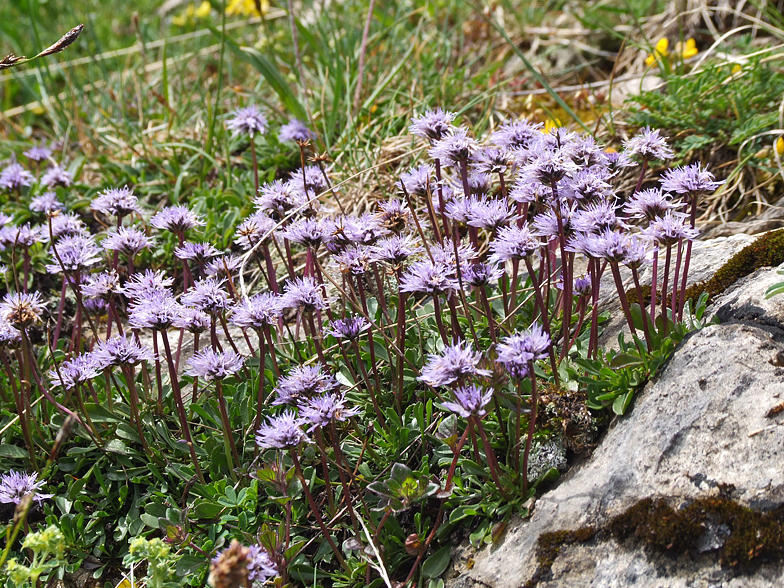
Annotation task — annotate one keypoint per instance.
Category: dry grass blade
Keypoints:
(67, 39)
(10, 61)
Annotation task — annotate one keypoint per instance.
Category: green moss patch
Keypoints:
(753, 536)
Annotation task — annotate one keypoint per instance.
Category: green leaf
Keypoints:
(13, 451)
(436, 564)
(623, 360)
(774, 290)
(118, 447)
(205, 509)
(270, 73)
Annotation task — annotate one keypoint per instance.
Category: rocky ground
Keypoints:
(707, 428)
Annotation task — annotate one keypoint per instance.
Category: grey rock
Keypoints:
(702, 423)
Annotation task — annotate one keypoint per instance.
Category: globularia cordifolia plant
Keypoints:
(402, 350)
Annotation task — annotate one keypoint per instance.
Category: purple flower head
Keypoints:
(157, 311)
(490, 214)
(281, 432)
(46, 203)
(513, 242)
(303, 294)
(199, 253)
(22, 236)
(260, 567)
(582, 287)
(208, 295)
(38, 153)
(480, 274)
(314, 179)
(479, 184)
(456, 362)
(445, 253)
(16, 485)
(77, 370)
(517, 134)
(394, 250)
(9, 336)
(460, 208)
(224, 266)
(141, 285)
(596, 217)
(587, 184)
(428, 277)
(257, 311)
(433, 124)
(636, 253)
(491, 160)
(176, 219)
(303, 382)
(74, 253)
(67, 224)
(192, 320)
(546, 224)
(470, 401)
(21, 310)
(364, 229)
(121, 350)
(418, 181)
(5, 220)
(549, 166)
(393, 215)
(117, 202)
(129, 241)
(587, 154)
(649, 204)
(248, 120)
(610, 245)
(354, 260)
(526, 190)
(96, 306)
(323, 410)
(617, 161)
(454, 148)
(348, 328)
(307, 232)
(670, 229)
(277, 198)
(295, 130)
(648, 144)
(57, 176)
(518, 350)
(14, 177)
(103, 285)
(211, 365)
(253, 229)
(692, 180)
(560, 138)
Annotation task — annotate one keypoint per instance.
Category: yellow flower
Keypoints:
(550, 124)
(687, 50)
(203, 11)
(661, 50)
(247, 7)
(192, 13)
(736, 69)
(780, 146)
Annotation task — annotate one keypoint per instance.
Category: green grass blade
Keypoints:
(270, 73)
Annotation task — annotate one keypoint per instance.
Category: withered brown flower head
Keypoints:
(229, 569)
(22, 310)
